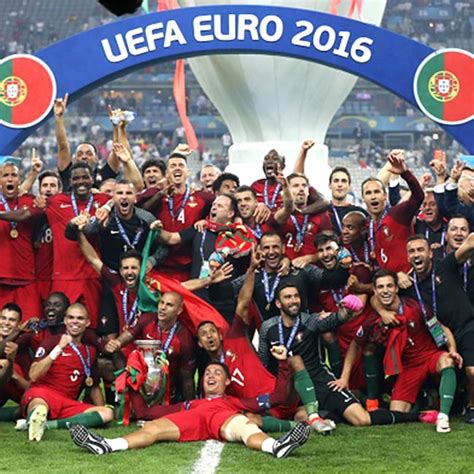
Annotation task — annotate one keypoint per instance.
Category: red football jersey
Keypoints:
(249, 378)
(69, 262)
(390, 244)
(118, 288)
(420, 344)
(273, 193)
(66, 374)
(43, 250)
(196, 208)
(315, 224)
(16, 254)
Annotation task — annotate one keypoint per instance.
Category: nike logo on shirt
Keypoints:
(63, 206)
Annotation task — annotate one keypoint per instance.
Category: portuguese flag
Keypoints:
(27, 90)
(442, 86)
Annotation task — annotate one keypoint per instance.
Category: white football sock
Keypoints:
(267, 445)
(117, 444)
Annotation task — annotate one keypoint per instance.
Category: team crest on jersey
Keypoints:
(192, 202)
(360, 332)
(231, 355)
(387, 233)
(27, 90)
(170, 350)
(41, 351)
(299, 336)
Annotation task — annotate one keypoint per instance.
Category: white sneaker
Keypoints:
(442, 423)
(320, 425)
(37, 423)
(21, 425)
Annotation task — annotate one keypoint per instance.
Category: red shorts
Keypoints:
(12, 390)
(87, 292)
(25, 296)
(44, 289)
(59, 405)
(285, 412)
(200, 424)
(411, 379)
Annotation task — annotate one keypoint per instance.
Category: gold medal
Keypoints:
(298, 248)
(267, 307)
(14, 233)
(89, 381)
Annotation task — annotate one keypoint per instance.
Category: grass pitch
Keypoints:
(405, 448)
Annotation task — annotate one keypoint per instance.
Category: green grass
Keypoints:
(402, 449)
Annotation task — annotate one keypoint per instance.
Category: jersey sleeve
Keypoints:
(317, 324)
(137, 330)
(264, 345)
(405, 211)
(109, 276)
(46, 347)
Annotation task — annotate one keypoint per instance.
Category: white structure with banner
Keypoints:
(274, 102)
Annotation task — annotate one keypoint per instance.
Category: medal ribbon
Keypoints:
(371, 229)
(337, 295)
(336, 218)
(443, 234)
(269, 293)
(294, 330)
(129, 318)
(170, 201)
(201, 245)
(300, 231)
(85, 363)
(271, 204)
(74, 204)
(13, 225)
(366, 253)
(124, 235)
(257, 231)
(169, 339)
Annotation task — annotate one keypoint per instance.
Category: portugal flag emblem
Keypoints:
(27, 90)
(443, 86)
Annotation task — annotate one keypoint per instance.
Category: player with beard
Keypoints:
(299, 230)
(202, 245)
(217, 416)
(411, 352)
(17, 272)
(309, 280)
(207, 176)
(63, 365)
(49, 185)
(439, 290)
(389, 227)
(72, 274)
(338, 342)
(300, 333)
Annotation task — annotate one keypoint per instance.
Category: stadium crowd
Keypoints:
(349, 302)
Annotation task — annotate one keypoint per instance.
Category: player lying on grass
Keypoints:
(215, 416)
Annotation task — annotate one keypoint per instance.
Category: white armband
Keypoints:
(55, 353)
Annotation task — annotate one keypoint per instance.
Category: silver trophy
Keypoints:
(152, 390)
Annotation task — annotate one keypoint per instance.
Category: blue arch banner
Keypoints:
(85, 61)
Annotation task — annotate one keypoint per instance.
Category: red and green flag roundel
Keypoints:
(443, 86)
(27, 90)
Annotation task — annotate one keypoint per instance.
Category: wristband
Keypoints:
(55, 353)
